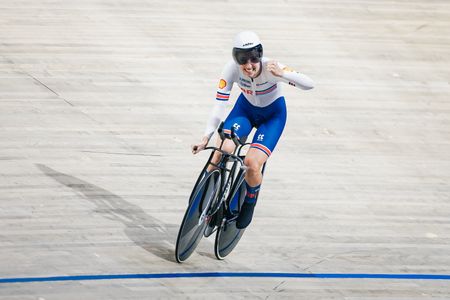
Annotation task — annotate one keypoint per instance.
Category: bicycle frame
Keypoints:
(230, 181)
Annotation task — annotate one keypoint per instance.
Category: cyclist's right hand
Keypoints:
(200, 146)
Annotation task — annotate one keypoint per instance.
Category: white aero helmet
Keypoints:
(247, 46)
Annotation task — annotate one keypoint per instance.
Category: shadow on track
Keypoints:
(144, 230)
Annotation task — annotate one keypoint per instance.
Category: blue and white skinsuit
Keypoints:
(261, 104)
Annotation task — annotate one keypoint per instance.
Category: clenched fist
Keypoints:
(274, 68)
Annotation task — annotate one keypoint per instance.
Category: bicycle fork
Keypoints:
(207, 206)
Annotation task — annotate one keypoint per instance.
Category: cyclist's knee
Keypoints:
(228, 146)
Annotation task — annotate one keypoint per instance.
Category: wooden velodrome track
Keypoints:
(100, 101)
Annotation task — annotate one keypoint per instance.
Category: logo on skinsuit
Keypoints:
(260, 137)
(222, 84)
(236, 126)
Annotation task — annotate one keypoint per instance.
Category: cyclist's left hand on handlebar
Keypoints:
(274, 68)
(200, 146)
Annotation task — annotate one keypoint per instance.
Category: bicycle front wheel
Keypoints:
(194, 221)
(228, 235)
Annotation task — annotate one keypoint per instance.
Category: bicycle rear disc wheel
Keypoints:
(228, 235)
(193, 224)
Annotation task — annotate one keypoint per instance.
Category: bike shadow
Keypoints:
(144, 230)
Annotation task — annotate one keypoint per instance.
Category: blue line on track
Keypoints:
(225, 274)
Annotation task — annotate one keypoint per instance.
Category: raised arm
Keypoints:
(289, 76)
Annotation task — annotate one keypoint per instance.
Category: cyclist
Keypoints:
(261, 105)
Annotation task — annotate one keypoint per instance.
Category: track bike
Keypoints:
(215, 202)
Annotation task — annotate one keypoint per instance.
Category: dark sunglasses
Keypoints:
(242, 56)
